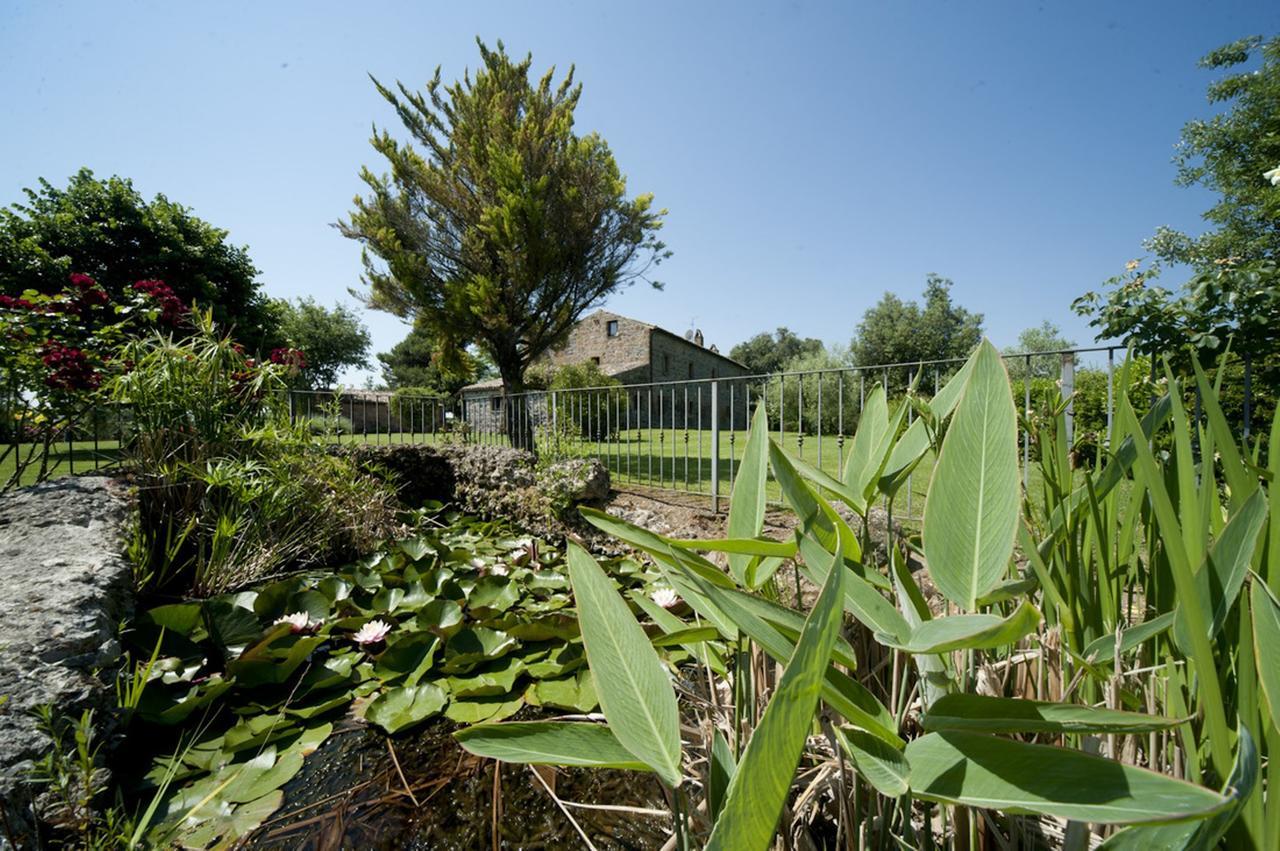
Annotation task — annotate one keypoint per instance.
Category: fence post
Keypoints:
(715, 447)
(1068, 391)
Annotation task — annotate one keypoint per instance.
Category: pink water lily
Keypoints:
(297, 621)
(666, 598)
(372, 632)
(499, 570)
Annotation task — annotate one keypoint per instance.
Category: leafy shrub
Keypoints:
(232, 491)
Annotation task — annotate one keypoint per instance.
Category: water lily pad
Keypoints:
(470, 646)
(493, 679)
(475, 710)
(167, 706)
(399, 708)
(410, 658)
(231, 627)
(493, 594)
(417, 548)
(335, 588)
(559, 662)
(441, 616)
(577, 693)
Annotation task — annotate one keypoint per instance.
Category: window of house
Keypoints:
(715, 372)
(495, 403)
(691, 369)
(611, 328)
(666, 363)
(596, 360)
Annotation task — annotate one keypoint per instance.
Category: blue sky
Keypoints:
(812, 156)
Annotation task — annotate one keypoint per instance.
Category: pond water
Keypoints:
(350, 794)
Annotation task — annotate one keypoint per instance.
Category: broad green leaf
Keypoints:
(473, 710)
(721, 767)
(398, 708)
(790, 623)
(549, 743)
(861, 599)
(476, 644)
(495, 678)
(691, 635)
(993, 773)
(1102, 651)
(1221, 577)
(971, 632)
(845, 695)
(410, 657)
(873, 424)
(740, 546)
(981, 714)
(747, 500)
(1201, 835)
(576, 693)
(1266, 644)
(831, 485)
(883, 766)
(971, 513)
(817, 517)
(760, 785)
(908, 452)
(654, 544)
(946, 399)
(634, 688)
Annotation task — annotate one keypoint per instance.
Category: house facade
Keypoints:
(648, 358)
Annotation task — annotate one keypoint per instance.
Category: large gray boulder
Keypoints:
(65, 585)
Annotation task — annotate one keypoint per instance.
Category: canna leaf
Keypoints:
(971, 632)
(981, 714)
(747, 500)
(1266, 643)
(631, 682)
(549, 743)
(974, 770)
(971, 513)
(882, 766)
(759, 788)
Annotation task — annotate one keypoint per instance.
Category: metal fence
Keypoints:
(685, 435)
(689, 435)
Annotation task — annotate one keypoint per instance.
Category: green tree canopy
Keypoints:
(331, 339)
(903, 332)
(106, 229)
(415, 362)
(1045, 337)
(498, 225)
(1230, 154)
(765, 353)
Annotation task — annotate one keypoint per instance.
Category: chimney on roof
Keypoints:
(715, 350)
(697, 338)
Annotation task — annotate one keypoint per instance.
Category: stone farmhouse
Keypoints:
(636, 353)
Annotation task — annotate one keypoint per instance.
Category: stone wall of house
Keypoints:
(590, 339)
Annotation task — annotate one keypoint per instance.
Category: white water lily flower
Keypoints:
(666, 598)
(372, 632)
(297, 621)
(1273, 176)
(499, 570)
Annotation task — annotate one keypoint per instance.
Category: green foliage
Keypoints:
(1045, 337)
(332, 340)
(415, 362)
(234, 491)
(898, 332)
(795, 398)
(502, 226)
(107, 230)
(581, 413)
(479, 623)
(765, 354)
(1230, 154)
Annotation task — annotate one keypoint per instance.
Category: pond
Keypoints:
(317, 710)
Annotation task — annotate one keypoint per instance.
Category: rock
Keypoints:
(581, 479)
(65, 585)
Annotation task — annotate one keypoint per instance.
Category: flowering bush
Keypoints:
(60, 351)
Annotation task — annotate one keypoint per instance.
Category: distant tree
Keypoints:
(904, 332)
(765, 353)
(106, 229)
(1232, 155)
(415, 362)
(1234, 292)
(505, 226)
(331, 339)
(1045, 337)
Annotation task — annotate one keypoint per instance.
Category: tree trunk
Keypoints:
(515, 408)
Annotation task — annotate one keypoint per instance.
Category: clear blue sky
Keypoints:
(812, 156)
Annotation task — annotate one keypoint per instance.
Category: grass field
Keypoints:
(673, 459)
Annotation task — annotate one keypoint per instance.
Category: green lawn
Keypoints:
(658, 458)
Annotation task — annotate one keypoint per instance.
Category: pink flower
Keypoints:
(666, 598)
(298, 622)
(372, 632)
